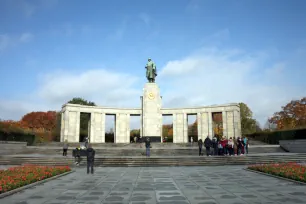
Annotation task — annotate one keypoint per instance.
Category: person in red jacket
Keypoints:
(223, 142)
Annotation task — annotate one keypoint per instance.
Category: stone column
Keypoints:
(77, 127)
(237, 123)
(210, 125)
(199, 126)
(73, 126)
(65, 124)
(141, 116)
(152, 116)
(224, 124)
(62, 126)
(122, 133)
(97, 128)
(91, 127)
(204, 126)
(178, 128)
(185, 123)
(230, 124)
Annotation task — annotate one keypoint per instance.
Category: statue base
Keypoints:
(151, 112)
(152, 139)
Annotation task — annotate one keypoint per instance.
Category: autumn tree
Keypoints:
(217, 123)
(248, 124)
(135, 132)
(170, 132)
(39, 120)
(193, 128)
(57, 130)
(292, 115)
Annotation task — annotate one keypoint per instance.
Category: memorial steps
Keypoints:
(158, 161)
(135, 150)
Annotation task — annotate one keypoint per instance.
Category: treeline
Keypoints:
(36, 127)
(287, 124)
(46, 126)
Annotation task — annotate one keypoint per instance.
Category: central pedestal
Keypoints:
(151, 112)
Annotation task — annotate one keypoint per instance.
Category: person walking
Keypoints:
(207, 143)
(148, 146)
(77, 156)
(90, 153)
(200, 143)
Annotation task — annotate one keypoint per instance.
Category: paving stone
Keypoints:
(163, 185)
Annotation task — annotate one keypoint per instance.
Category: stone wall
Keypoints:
(293, 146)
(71, 122)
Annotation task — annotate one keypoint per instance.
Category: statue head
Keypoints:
(149, 59)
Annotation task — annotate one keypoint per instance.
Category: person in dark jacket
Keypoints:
(215, 145)
(207, 143)
(200, 143)
(148, 146)
(240, 146)
(90, 153)
(77, 156)
(86, 142)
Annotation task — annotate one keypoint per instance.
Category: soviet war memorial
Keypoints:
(152, 102)
(151, 112)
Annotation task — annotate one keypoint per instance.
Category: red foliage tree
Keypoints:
(39, 120)
(293, 115)
(217, 123)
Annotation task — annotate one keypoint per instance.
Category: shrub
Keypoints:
(287, 170)
(16, 177)
(275, 136)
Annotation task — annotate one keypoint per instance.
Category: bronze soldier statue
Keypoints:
(151, 71)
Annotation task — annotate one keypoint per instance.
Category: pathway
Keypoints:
(179, 185)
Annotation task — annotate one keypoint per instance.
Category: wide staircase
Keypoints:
(132, 155)
(158, 161)
(133, 149)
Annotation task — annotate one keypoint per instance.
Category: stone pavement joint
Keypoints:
(222, 184)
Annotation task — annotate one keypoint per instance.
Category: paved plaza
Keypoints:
(178, 185)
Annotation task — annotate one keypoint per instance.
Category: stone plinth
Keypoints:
(152, 116)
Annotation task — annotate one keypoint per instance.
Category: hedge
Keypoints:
(17, 137)
(275, 136)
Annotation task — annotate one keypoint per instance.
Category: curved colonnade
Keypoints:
(70, 128)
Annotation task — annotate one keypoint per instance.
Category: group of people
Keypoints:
(89, 152)
(224, 146)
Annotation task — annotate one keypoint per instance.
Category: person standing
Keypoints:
(200, 143)
(90, 152)
(230, 146)
(240, 146)
(148, 146)
(246, 145)
(207, 143)
(215, 145)
(86, 142)
(65, 148)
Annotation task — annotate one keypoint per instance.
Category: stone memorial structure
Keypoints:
(151, 113)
